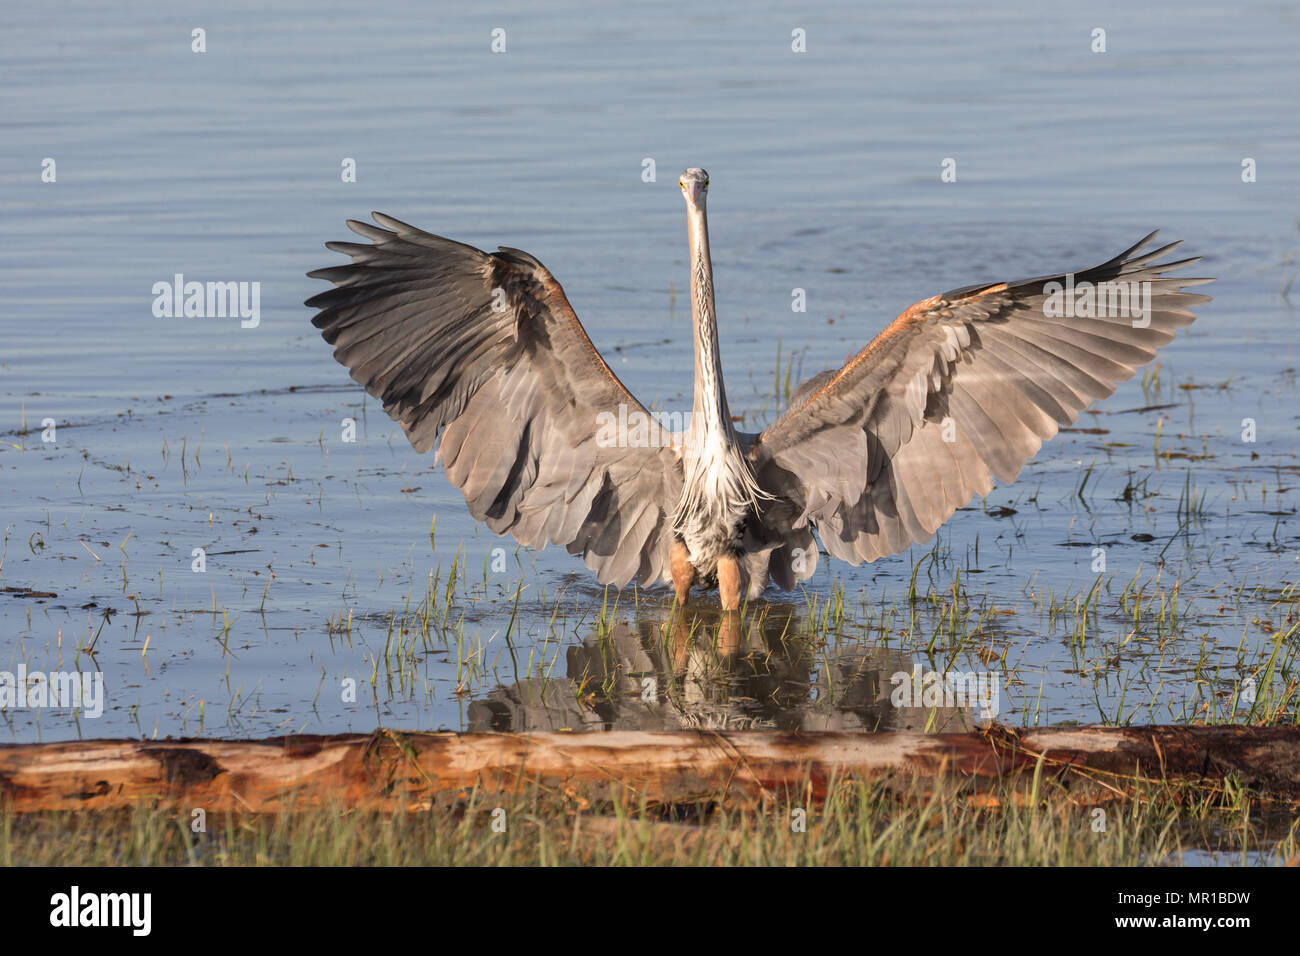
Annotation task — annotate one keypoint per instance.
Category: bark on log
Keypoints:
(390, 770)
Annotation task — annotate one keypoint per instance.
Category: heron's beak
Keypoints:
(694, 192)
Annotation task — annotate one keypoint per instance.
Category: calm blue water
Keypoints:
(175, 434)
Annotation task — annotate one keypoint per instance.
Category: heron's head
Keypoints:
(695, 184)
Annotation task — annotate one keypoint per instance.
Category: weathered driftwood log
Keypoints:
(388, 769)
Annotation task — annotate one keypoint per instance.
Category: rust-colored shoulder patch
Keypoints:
(987, 290)
(559, 305)
(547, 293)
(915, 309)
(913, 313)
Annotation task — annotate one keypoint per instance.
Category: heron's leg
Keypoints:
(729, 582)
(683, 571)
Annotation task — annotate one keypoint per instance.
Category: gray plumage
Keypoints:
(483, 355)
(860, 455)
(514, 392)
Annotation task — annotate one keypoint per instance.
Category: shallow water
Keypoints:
(176, 434)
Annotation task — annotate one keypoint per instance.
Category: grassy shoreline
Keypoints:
(859, 824)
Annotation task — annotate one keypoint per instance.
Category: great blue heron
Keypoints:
(484, 350)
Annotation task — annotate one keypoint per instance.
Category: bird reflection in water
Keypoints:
(714, 671)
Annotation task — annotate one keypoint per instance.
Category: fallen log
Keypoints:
(389, 770)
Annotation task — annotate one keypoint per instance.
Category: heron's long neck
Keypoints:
(710, 416)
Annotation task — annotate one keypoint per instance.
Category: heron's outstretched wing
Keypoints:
(485, 350)
(960, 389)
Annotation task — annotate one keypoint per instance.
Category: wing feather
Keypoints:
(483, 355)
(960, 389)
